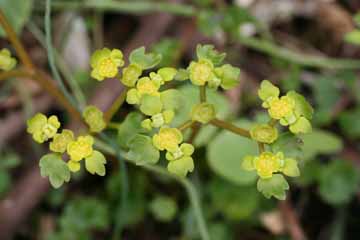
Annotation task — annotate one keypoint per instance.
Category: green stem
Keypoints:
(230, 127)
(202, 93)
(136, 7)
(261, 147)
(49, 47)
(115, 105)
(295, 57)
(74, 85)
(185, 125)
(189, 187)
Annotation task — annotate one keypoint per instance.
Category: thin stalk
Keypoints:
(189, 187)
(136, 7)
(50, 51)
(202, 93)
(230, 127)
(261, 147)
(74, 86)
(272, 122)
(21, 52)
(295, 57)
(185, 125)
(108, 115)
(14, 73)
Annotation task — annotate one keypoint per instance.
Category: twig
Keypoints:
(230, 127)
(291, 218)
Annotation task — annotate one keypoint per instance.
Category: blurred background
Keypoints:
(302, 45)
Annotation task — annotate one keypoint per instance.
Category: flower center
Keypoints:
(108, 68)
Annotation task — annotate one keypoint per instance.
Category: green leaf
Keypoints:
(320, 142)
(163, 208)
(225, 198)
(9, 160)
(129, 128)
(226, 152)
(353, 37)
(310, 173)
(150, 105)
(229, 76)
(268, 90)
(52, 166)
(275, 186)
(339, 182)
(144, 60)
(95, 163)
(169, 49)
(182, 74)
(349, 123)
(5, 182)
(302, 125)
(142, 150)
(17, 13)
(302, 107)
(289, 144)
(209, 53)
(82, 215)
(171, 99)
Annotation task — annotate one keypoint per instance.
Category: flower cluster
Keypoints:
(207, 70)
(7, 62)
(105, 63)
(65, 144)
(290, 110)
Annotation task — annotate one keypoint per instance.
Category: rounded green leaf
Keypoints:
(208, 52)
(52, 166)
(226, 153)
(163, 208)
(129, 128)
(144, 60)
(275, 186)
(150, 105)
(95, 163)
(142, 150)
(171, 99)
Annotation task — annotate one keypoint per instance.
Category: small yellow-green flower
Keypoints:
(268, 92)
(42, 128)
(158, 120)
(268, 163)
(130, 75)
(81, 148)
(167, 139)
(61, 140)
(6, 61)
(282, 109)
(105, 63)
(203, 112)
(264, 133)
(144, 86)
(201, 72)
(94, 118)
(185, 150)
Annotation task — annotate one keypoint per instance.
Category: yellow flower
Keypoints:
(105, 63)
(146, 86)
(6, 61)
(167, 139)
(81, 148)
(281, 107)
(268, 163)
(42, 128)
(61, 140)
(264, 133)
(74, 166)
(130, 75)
(201, 72)
(94, 118)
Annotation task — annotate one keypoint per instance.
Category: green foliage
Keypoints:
(80, 216)
(130, 127)
(52, 166)
(144, 60)
(232, 201)
(339, 182)
(169, 49)
(163, 208)
(348, 121)
(17, 12)
(289, 144)
(209, 53)
(320, 142)
(95, 163)
(142, 150)
(226, 152)
(275, 186)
